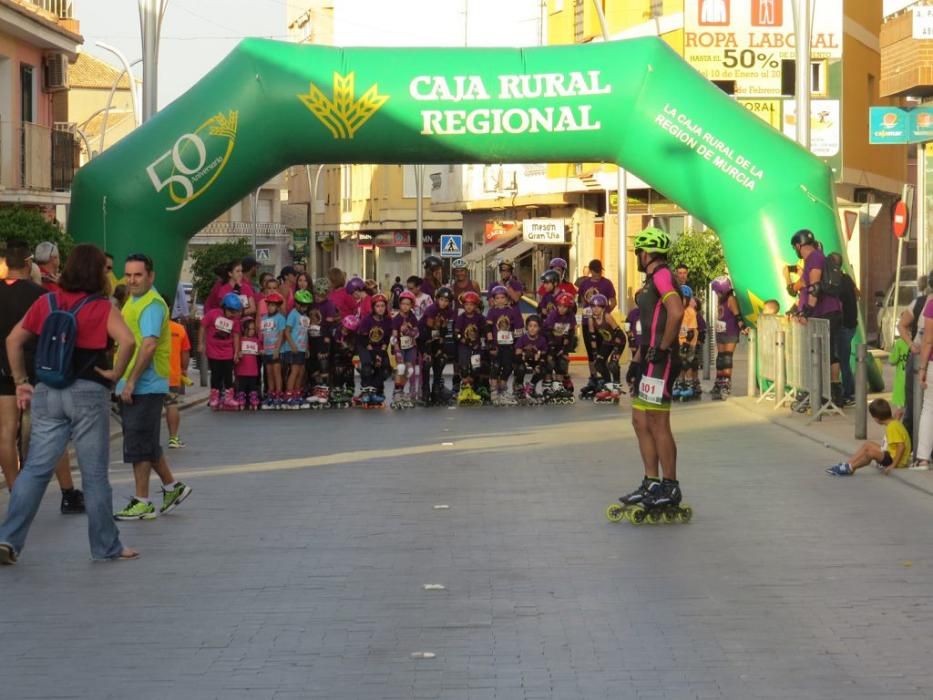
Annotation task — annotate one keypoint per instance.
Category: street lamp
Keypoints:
(151, 14)
(312, 224)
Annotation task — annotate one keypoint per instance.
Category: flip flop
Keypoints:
(7, 555)
(125, 556)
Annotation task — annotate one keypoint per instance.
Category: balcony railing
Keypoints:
(35, 157)
(243, 229)
(63, 9)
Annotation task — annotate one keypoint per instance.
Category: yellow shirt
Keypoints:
(896, 434)
(689, 323)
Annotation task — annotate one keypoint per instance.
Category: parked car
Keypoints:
(889, 312)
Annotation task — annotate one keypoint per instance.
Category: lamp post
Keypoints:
(622, 208)
(803, 20)
(128, 70)
(312, 223)
(151, 13)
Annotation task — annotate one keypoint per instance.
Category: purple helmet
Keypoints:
(599, 300)
(355, 284)
(722, 285)
(498, 289)
(558, 264)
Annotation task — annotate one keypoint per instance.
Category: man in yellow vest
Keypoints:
(142, 391)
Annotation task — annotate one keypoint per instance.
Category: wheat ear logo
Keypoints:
(343, 115)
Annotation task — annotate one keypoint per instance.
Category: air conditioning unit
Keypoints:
(56, 72)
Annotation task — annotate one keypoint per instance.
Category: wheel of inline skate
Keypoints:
(686, 514)
(637, 515)
(669, 517)
(653, 518)
(615, 513)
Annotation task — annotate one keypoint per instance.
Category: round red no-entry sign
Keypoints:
(901, 219)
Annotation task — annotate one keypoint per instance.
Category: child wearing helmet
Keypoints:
(685, 387)
(296, 341)
(560, 267)
(470, 329)
(560, 328)
(504, 324)
(433, 274)
(507, 279)
(594, 284)
(729, 325)
(220, 339)
(345, 342)
(405, 332)
(547, 292)
(435, 328)
(359, 303)
(655, 365)
(272, 332)
(247, 366)
(606, 343)
(373, 338)
(324, 316)
(531, 354)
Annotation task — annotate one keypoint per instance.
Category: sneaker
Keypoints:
(72, 502)
(7, 555)
(136, 510)
(175, 443)
(172, 499)
(919, 466)
(848, 402)
(841, 469)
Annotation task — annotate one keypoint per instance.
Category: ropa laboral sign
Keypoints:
(543, 230)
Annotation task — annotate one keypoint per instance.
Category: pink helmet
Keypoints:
(407, 295)
(351, 323)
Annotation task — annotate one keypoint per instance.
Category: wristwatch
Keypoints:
(18, 382)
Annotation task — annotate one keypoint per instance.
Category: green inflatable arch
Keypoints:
(636, 103)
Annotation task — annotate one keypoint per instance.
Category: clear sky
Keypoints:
(197, 34)
(895, 5)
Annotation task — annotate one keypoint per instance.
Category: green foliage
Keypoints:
(701, 252)
(31, 226)
(209, 257)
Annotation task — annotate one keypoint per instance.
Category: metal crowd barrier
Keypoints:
(794, 361)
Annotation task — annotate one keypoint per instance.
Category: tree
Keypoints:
(701, 252)
(206, 259)
(31, 226)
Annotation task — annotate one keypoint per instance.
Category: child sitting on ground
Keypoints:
(893, 452)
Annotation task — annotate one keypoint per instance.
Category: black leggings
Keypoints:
(221, 374)
(537, 367)
(606, 362)
(502, 362)
(465, 362)
(433, 361)
(247, 385)
(374, 368)
(558, 361)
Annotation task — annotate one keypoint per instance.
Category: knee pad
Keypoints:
(723, 361)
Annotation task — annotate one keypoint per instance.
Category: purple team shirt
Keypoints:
(826, 304)
(375, 332)
(470, 327)
(325, 315)
(558, 327)
(513, 323)
(528, 344)
(590, 288)
(406, 325)
(434, 320)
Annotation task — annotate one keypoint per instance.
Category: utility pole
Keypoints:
(151, 13)
(312, 223)
(803, 20)
(622, 208)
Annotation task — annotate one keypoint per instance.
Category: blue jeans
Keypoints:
(80, 413)
(844, 353)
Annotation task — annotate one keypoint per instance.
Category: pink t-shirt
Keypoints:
(218, 334)
(248, 366)
(928, 309)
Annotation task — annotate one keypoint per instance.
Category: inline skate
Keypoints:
(662, 504)
(402, 401)
(484, 396)
(340, 397)
(677, 391)
(592, 388)
(610, 393)
(530, 397)
(229, 401)
(213, 402)
(558, 394)
(320, 397)
(616, 513)
(254, 404)
(241, 400)
(716, 392)
(468, 397)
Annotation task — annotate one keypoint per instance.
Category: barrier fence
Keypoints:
(793, 361)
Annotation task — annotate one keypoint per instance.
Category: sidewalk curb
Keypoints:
(184, 407)
(834, 444)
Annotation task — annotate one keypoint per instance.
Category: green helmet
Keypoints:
(303, 296)
(321, 286)
(653, 240)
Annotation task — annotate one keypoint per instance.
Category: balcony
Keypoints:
(906, 62)
(37, 164)
(62, 9)
(217, 231)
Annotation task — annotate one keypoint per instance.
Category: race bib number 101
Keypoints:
(651, 390)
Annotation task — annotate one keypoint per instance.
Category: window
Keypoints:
(28, 87)
(346, 188)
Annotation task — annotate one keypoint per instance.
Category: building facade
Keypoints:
(38, 41)
(365, 216)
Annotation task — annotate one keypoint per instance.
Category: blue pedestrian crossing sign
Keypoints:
(451, 245)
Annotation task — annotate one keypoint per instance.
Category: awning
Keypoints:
(516, 251)
(484, 251)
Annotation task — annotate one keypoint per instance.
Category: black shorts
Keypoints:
(142, 426)
(887, 460)
(835, 333)
(665, 373)
(7, 387)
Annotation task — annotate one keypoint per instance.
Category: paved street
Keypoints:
(297, 568)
